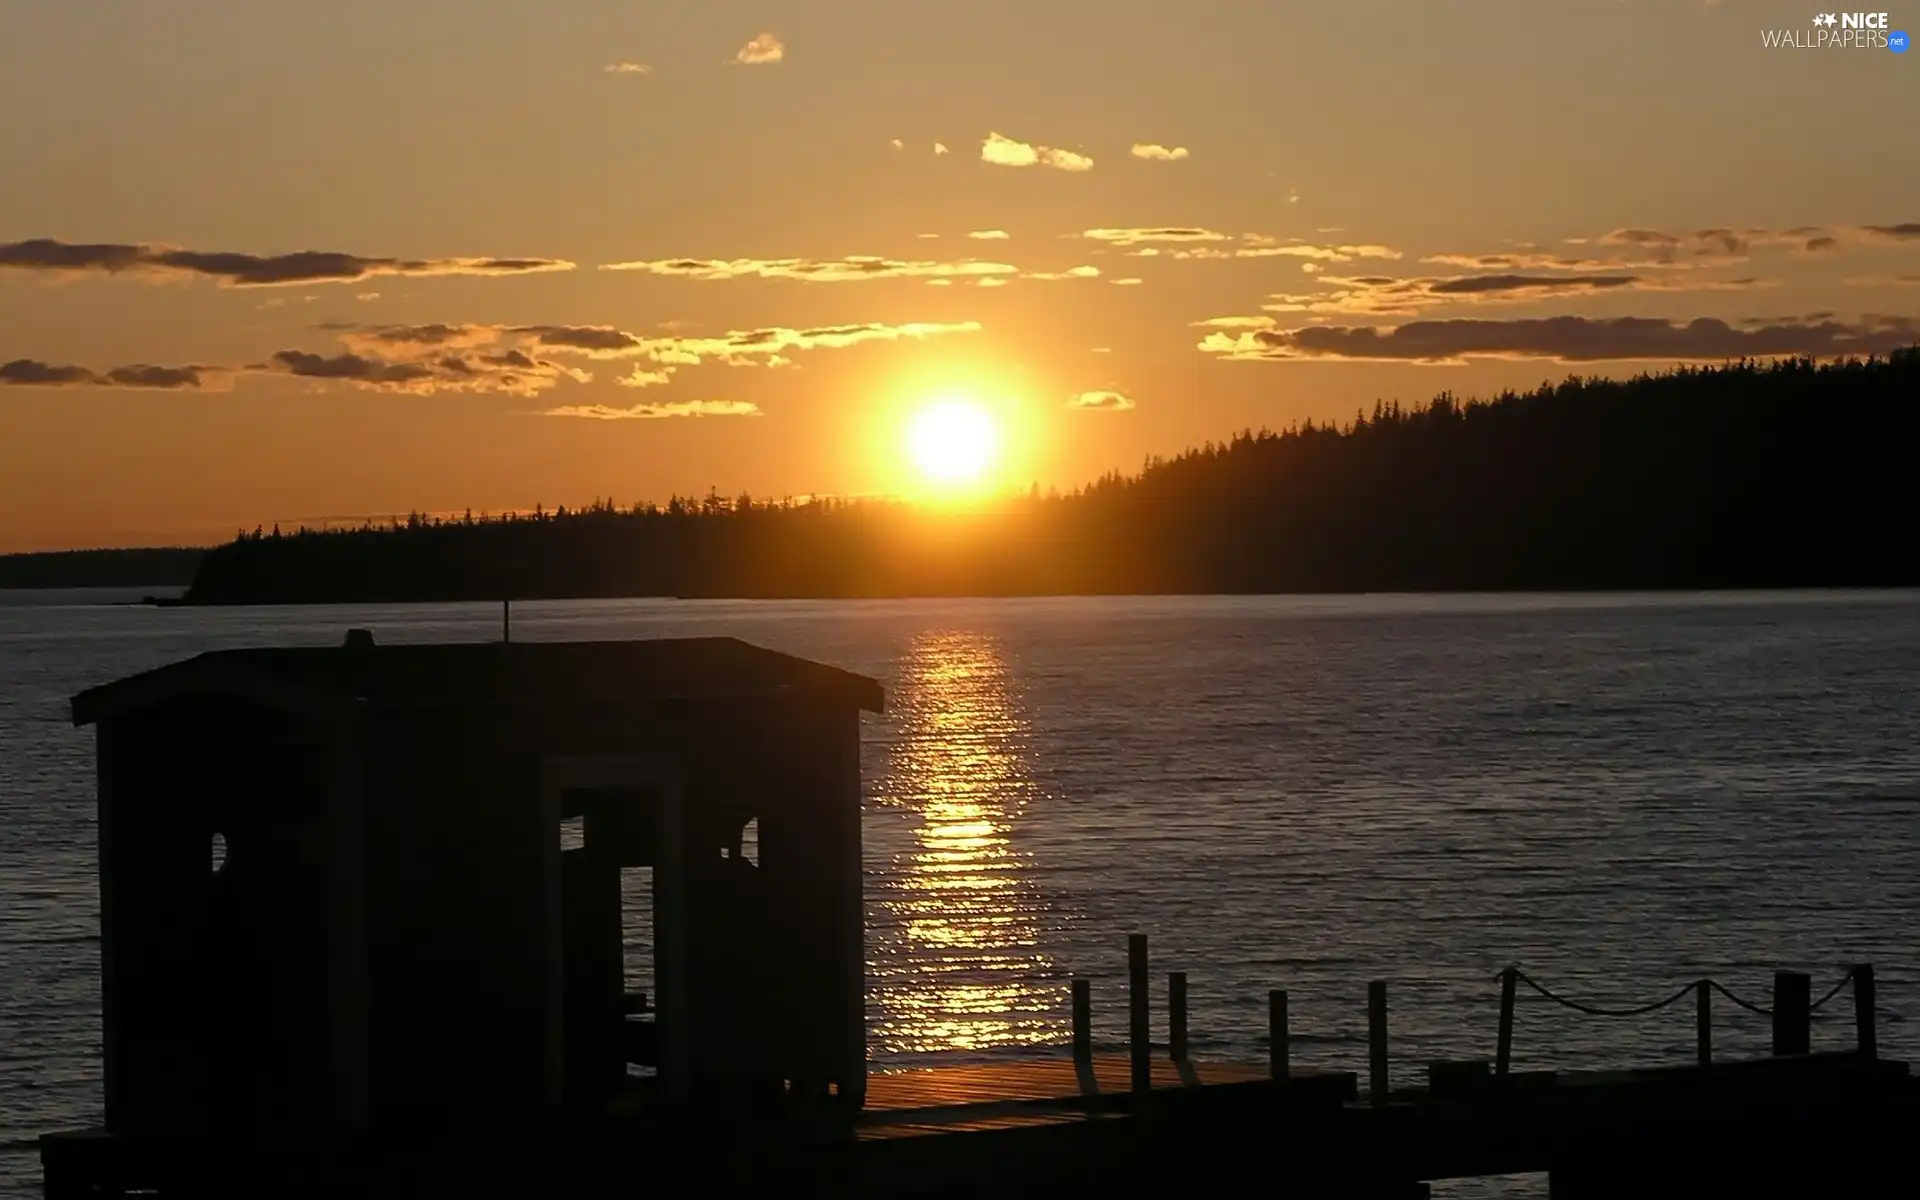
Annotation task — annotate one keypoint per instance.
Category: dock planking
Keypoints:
(1047, 1080)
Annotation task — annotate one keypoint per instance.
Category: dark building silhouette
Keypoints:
(337, 892)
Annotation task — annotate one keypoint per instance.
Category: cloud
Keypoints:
(1235, 323)
(627, 68)
(1157, 153)
(1708, 247)
(1906, 231)
(640, 377)
(1140, 237)
(516, 357)
(374, 339)
(989, 235)
(1129, 281)
(1100, 402)
(249, 270)
(1069, 273)
(763, 50)
(829, 270)
(1301, 250)
(939, 148)
(27, 372)
(897, 144)
(1006, 152)
(594, 341)
(1387, 295)
(510, 371)
(672, 408)
(1884, 281)
(1568, 339)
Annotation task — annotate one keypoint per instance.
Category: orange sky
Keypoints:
(261, 263)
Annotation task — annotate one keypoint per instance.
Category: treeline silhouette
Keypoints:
(164, 567)
(1747, 475)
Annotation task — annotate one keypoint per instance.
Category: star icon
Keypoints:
(1825, 19)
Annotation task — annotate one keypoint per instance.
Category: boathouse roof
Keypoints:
(487, 674)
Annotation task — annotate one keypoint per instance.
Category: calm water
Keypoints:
(1616, 793)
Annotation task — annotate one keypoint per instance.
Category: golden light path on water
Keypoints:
(953, 941)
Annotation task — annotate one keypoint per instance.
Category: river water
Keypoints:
(1617, 793)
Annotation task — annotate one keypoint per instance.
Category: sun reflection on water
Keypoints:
(955, 935)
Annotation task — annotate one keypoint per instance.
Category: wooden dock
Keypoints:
(1793, 1126)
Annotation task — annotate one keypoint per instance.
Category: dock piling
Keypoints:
(1503, 1056)
(1082, 1021)
(1703, 1021)
(1177, 1015)
(1279, 1053)
(1377, 1041)
(1139, 1031)
(1792, 1013)
(1869, 1041)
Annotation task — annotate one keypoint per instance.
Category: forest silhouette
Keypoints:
(1784, 474)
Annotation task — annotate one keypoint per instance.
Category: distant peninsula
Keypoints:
(1781, 474)
(167, 567)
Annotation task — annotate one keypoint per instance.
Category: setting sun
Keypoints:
(953, 443)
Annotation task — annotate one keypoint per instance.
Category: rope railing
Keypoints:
(1791, 1011)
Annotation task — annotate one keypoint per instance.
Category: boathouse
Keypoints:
(353, 887)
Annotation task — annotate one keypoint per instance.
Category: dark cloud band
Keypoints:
(1568, 339)
(249, 270)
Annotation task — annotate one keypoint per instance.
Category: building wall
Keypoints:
(217, 982)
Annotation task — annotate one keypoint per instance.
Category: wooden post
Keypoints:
(1503, 1054)
(1703, 1021)
(1279, 1054)
(1869, 1041)
(1377, 1041)
(1177, 1015)
(1082, 1021)
(1139, 1032)
(506, 622)
(1792, 1013)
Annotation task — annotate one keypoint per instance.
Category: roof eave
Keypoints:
(199, 675)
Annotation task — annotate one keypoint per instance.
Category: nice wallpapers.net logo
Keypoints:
(1839, 31)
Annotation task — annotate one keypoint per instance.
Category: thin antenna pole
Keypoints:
(506, 621)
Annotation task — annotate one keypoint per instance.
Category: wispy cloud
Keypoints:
(27, 372)
(1706, 247)
(833, 270)
(1160, 234)
(672, 408)
(520, 359)
(1155, 152)
(1104, 401)
(628, 68)
(1004, 151)
(1082, 272)
(940, 148)
(764, 49)
(1567, 339)
(1306, 250)
(1385, 294)
(1195, 242)
(989, 235)
(508, 371)
(248, 270)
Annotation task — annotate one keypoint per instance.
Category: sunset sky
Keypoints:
(275, 262)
